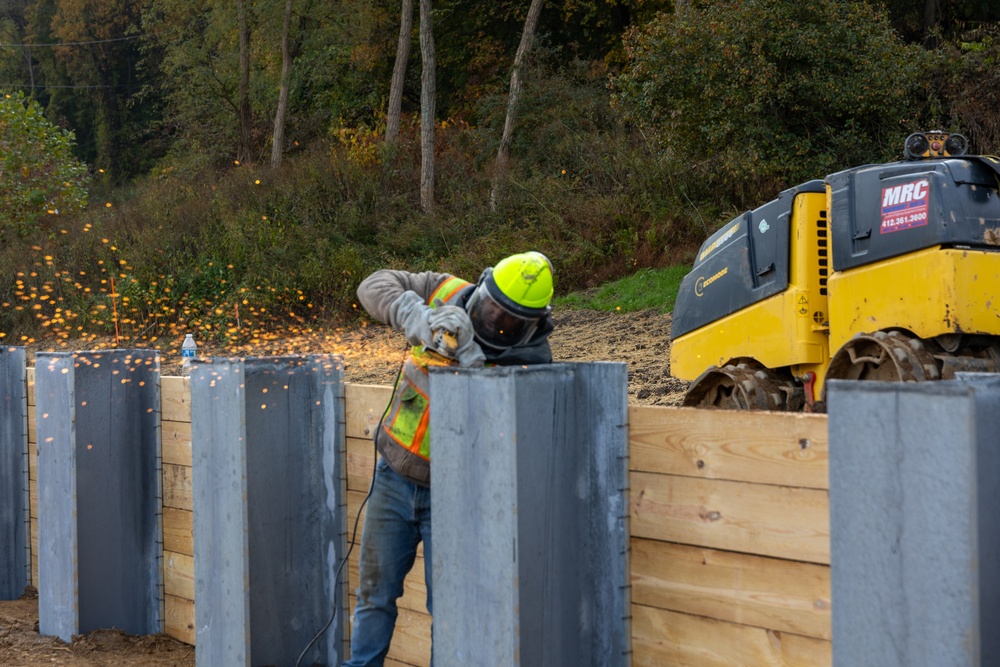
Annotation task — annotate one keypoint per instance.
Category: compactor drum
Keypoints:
(886, 272)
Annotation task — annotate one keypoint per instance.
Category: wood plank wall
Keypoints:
(729, 519)
(178, 521)
(730, 538)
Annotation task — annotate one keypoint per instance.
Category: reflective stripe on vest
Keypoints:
(408, 420)
(447, 290)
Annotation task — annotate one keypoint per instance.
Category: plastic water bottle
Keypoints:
(188, 351)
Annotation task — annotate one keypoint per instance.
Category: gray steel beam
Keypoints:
(219, 489)
(99, 501)
(530, 512)
(913, 485)
(269, 484)
(15, 563)
(986, 387)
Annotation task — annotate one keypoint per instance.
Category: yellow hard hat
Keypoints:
(510, 299)
(525, 279)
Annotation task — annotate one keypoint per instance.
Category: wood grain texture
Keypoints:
(662, 638)
(365, 404)
(178, 575)
(176, 442)
(175, 399)
(33, 539)
(178, 530)
(32, 424)
(753, 590)
(390, 662)
(177, 490)
(786, 449)
(179, 618)
(761, 519)
(360, 463)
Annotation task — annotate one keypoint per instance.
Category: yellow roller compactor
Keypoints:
(884, 272)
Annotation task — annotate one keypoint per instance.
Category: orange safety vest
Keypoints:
(407, 420)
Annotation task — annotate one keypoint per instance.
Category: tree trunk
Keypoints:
(930, 14)
(31, 68)
(527, 37)
(399, 73)
(278, 140)
(243, 150)
(427, 108)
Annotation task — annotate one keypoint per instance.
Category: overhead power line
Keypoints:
(96, 41)
(41, 86)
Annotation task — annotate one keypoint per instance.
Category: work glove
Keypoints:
(409, 314)
(470, 355)
(456, 321)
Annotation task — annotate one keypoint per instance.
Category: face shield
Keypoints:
(494, 324)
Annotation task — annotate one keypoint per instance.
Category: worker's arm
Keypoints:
(380, 293)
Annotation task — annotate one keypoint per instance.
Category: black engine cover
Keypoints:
(885, 210)
(742, 263)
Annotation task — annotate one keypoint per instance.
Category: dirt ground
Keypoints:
(372, 355)
(22, 646)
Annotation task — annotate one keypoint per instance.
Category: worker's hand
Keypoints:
(411, 315)
(470, 356)
(456, 321)
(452, 319)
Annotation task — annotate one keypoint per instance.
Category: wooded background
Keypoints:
(236, 167)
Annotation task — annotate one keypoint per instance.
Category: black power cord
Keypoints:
(354, 533)
(343, 562)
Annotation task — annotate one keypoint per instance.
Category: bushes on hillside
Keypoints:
(963, 87)
(755, 94)
(236, 253)
(38, 174)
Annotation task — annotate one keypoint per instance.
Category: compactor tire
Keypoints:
(884, 356)
(744, 386)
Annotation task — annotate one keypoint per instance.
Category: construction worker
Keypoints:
(503, 319)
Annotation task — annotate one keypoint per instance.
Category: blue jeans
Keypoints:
(397, 519)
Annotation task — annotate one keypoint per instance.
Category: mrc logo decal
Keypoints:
(905, 206)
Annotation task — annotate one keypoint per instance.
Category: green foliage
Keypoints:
(717, 109)
(241, 252)
(977, 98)
(645, 289)
(766, 93)
(91, 84)
(563, 114)
(38, 174)
(962, 88)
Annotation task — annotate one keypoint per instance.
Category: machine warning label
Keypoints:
(905, 206)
